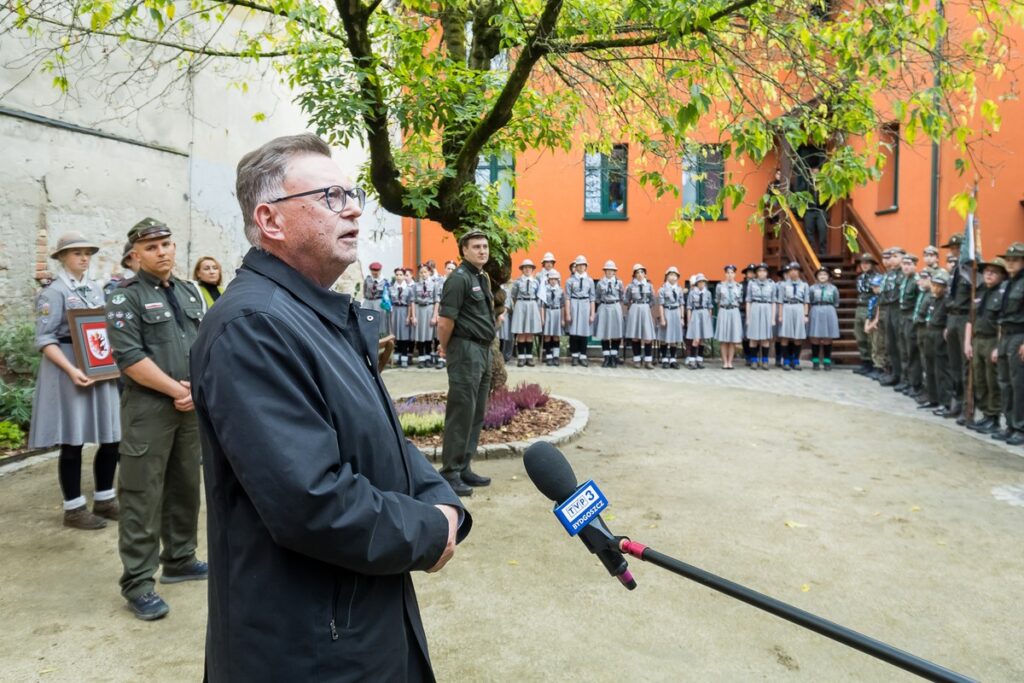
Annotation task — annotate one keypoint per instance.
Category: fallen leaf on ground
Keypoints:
(916, 508)
(514, 563)
(805, 588)
(794, 525)
(610, 518)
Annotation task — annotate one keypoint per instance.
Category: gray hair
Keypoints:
(261, 172)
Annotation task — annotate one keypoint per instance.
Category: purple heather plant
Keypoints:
(501, 408)
(414, 407)
(529, 396)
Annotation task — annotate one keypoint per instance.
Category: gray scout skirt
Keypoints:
(552, 322)
(579, 322)
(505, 329)
(400, 323)
(672, 333)
(63, 413)
(793, 326)
(700, 326)
(608, 323)
(824, 322)
(729, 326)
(424, 331)
(526, 317)
(640, 323)
(760, 321)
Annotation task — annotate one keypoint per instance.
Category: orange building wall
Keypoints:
(552, 182)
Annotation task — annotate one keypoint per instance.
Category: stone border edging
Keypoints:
(513, 449)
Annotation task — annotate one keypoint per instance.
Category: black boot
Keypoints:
(458, 486)
(471, 478)
(985, 426)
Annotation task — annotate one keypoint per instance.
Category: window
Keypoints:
(497, 169)
(604, 184)
(889, 183)
(703, 179)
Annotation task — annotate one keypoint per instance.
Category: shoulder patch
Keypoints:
(117, 299)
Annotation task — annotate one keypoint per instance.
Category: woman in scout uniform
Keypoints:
(637, 300)
(729, 326)
(547, 264)
(207, 277)
(551, 318)
(760, 304)
(400, 305)
(698, 320)
(68, 408)
(525, 313)
(670, 319)
(580, 294)
(423, 314)
(505, 328)
(375, 292)
(793, 301)
(823, 325)
(609, 326)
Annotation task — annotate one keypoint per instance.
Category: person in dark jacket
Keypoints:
(318, 508)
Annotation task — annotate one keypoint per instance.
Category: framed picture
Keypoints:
(93, 353)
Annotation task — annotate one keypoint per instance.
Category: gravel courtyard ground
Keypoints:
(825, 491)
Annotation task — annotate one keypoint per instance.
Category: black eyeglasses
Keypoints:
(336, 196)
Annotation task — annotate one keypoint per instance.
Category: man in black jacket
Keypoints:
(318, 507)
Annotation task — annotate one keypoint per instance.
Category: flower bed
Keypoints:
(516, 414)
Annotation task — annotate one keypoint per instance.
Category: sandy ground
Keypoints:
(885, 524)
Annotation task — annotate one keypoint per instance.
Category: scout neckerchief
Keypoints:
(79, 288)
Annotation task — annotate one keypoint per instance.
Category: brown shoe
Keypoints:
(107, 508)
(81, 518)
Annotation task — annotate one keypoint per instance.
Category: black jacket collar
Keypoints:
(331, 305)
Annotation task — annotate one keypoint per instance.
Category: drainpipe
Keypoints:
(933, 219)
(419, 259)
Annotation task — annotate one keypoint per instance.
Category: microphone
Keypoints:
(552, 474)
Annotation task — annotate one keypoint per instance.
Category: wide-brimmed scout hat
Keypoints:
(148, 229)
(125, 253)
(554, 275)
(470, 235)
(997, 262)
(955, 240)
(73, 240)
(761, 266)
(610, 265)
(1015, 250)
(638, 266)
(750, 267)
(548, 256)
(527, 263)
(699, 277)
(580, 260)
(792, 265)
(940, 277)
(671, 269)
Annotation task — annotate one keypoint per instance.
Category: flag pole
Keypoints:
(975, 251)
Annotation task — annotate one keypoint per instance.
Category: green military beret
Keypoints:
(1016, 250)
(148, 229)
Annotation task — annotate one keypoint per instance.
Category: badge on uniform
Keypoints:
(117, 299)
(43, 309)
(118, 324)
(73, 300)
(153, 306)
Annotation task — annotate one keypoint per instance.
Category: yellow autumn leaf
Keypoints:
(916, 508)
(514, 563)
(805, 588)
(610, 518)
(794, 525)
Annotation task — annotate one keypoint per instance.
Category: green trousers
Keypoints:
(955, 329)
(921, 341)
(891, 327)
(912, 369)
(879, 349)
(863, 342)
(1010, 376)
(469, 381)
(158, 483)
(936, 364)
(986, 387)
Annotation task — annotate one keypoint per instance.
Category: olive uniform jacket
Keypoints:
(318, 507)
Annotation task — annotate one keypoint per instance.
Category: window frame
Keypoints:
(891, 131)
(495, 167)
(702, 167)
(605, 170)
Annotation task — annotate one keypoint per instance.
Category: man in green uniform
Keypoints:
(465, 330)
(980, 345)
(959, 307)
(910, 378)
(867, 267)
(889, 315)
(1011, 348)
(936, 360)
(152, 319)
(920, 323)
